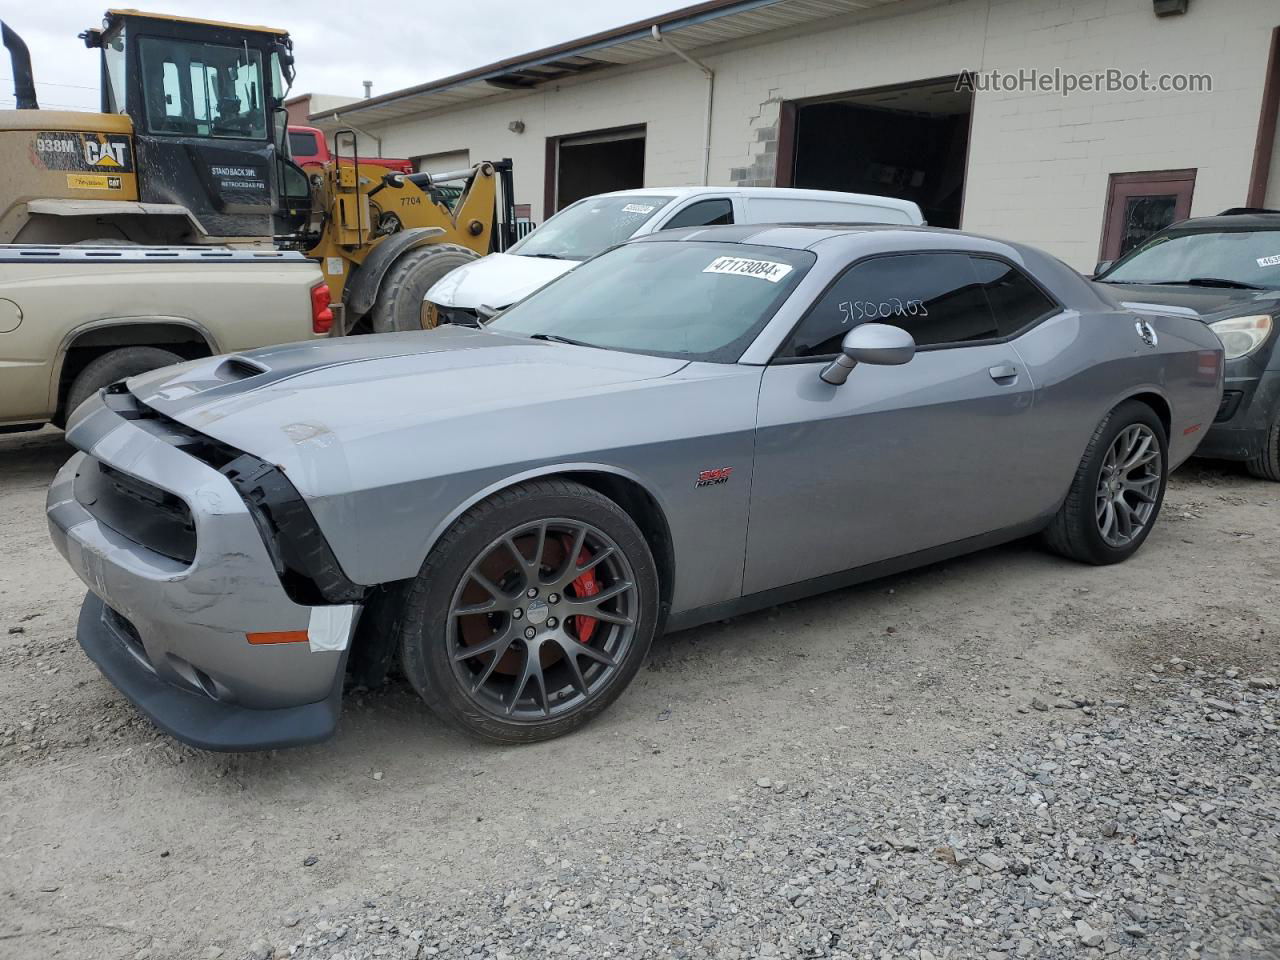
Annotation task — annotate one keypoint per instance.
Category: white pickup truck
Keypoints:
(76, 318)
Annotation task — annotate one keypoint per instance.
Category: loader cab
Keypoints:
(207, 104)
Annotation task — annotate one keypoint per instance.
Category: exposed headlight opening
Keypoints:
(1241, 336)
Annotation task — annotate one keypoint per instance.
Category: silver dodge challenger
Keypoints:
(686, 428)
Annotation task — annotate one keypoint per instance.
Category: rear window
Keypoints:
(691, 300)
(302, 144)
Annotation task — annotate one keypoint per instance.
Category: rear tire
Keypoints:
(517, 688)
(399, 303)
(1084, 528)
(112, 366)
(1266, 465)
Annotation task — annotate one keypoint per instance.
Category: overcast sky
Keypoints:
(395, 46)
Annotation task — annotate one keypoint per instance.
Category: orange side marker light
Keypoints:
(279, 636)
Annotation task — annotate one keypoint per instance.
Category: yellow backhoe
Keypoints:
(190, 147)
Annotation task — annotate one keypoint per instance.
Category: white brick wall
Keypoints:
(1038, 163)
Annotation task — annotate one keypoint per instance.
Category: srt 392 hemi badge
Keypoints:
(710, 478)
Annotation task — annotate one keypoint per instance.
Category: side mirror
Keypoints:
(876, 343)
(1102, 267)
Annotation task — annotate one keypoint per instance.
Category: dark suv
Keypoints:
(1227, 269)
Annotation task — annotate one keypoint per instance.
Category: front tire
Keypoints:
(1266, 465)
(399, 303)
(532, 614)
(1117, 491)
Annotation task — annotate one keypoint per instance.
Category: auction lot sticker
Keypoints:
(742, 267)
(1269, 261)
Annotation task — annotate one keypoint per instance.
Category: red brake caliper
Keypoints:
(585, 586)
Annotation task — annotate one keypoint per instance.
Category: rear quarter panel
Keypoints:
(1085, 363)
(234, 306)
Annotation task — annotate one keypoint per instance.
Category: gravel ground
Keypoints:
(1145, 826)
(1003, 755)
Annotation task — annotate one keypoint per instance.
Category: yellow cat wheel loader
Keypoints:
(190, 147)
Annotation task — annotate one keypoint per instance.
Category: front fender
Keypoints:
(535, 473)
(363, 289)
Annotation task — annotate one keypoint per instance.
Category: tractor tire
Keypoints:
(399, 303)
(116, 365)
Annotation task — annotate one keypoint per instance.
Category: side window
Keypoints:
(936, 297)
(172, 91)
(704, 213)
(1015, 300)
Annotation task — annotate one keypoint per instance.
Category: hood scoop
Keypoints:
(239, 368)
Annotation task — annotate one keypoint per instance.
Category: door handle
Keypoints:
(1004, 373)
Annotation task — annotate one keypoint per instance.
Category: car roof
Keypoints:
(795, 236)
(1258, 220)
(841, 243)
(781, 193)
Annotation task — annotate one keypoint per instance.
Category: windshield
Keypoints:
(692, 300)
(590, 226)
(1248, 257)
(203, 90)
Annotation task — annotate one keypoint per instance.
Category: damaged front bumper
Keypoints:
(1248, 413)
(174, 596)
(196, 718)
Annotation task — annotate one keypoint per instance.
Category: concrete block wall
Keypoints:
(1038, 163)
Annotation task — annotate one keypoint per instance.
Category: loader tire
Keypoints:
(399, 303)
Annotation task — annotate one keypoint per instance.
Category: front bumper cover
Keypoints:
(1251, 403)
(172, 633)
(195, 719)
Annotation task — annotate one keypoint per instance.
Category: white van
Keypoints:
(591, 226)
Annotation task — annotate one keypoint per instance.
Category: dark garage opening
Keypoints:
(587, 164)
(910, 142)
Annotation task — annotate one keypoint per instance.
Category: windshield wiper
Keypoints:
(1213, 282)
(545, 256)
(556, 338)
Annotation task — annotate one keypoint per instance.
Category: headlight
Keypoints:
(1241, 336)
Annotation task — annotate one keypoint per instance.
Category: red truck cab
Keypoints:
(309, 148)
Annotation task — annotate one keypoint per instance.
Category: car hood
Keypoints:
(497, 280)
(299, 404)
(1209, 303)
